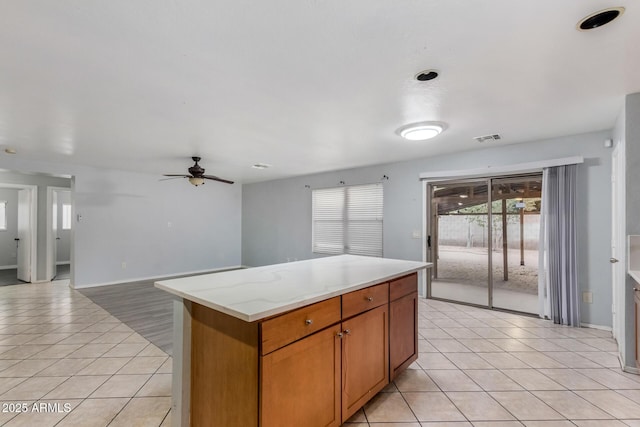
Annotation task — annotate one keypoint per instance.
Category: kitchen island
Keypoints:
(302, 343)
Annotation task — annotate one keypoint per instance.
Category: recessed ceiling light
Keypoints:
(10, 150)
(261, 166)
(599, 18)
(426, 75)
(464, 196)
(421, 131)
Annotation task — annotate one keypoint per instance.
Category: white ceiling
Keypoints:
(304, 85)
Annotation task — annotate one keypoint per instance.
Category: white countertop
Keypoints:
(255, 293)
(635, 275)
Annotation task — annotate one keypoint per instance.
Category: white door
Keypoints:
(24, 235)
(53, 237)
(617, 245)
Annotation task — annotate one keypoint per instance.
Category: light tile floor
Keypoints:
(64, 361)
(68, 362)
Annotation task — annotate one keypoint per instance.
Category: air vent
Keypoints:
(486, 138)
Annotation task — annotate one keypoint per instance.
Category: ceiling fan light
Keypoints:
(421, 131)
(196, 181)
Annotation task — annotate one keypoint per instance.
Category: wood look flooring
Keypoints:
(141, 306)
(144, 308)
(10, 276)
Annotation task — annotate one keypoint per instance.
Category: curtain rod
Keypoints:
(536, 166)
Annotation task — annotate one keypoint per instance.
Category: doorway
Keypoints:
(18, 243)
(59, 224)
(484, 241)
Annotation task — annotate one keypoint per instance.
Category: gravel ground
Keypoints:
(469, 266)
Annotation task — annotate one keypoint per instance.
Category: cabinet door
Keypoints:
(403, 323)
(365, 358)
(300, 383)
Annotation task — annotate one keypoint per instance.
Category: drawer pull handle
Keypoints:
(308, 322)
(369, 299)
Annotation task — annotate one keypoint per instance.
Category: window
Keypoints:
(66, 217)
(348, 220)
(3, 215)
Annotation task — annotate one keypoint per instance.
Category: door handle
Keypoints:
(613, 260)
(428, 241)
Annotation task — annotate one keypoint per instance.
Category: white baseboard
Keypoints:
(602, 328)
(8, 267)
(138, 279)
(63, 262)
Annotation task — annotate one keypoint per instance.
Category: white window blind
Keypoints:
(348, 220)
(66, 217)
(3, 214)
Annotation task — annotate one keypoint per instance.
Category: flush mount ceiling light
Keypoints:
(421, 131)
(10, 150)
(600, 18)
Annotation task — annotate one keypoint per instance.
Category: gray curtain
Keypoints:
(559, 193)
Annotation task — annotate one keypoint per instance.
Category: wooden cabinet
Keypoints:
(313, 366)
(300, 383)
(403, 324)
(365, 358)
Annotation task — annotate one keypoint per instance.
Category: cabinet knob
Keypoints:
(308, 322)
(636, 289)
(369, 299)
(339, 334)
(347, 331)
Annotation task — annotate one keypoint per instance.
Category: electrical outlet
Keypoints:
(587, 297)
(124, 265)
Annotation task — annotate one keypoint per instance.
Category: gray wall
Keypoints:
(632, 200)
(8, 249)
(126, 216)
(276, 222)
(42, 181)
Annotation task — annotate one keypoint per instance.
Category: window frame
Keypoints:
(354, 224)
(66, 219)
(4, 220)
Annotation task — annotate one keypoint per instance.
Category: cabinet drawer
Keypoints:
(289, 327)
(403, 286)
(364, 299)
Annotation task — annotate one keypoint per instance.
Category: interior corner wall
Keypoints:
(632, 201)
(156, 228)
(276, 215)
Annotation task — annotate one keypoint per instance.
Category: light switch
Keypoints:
(416, 234)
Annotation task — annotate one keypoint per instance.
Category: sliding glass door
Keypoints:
(459, 242)
(482, 256)
(516, 230)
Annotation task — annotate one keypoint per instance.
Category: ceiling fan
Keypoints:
(196, 175)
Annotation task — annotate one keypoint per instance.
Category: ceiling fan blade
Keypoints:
(177, 175)
(215, 178)
(173, 177)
